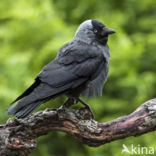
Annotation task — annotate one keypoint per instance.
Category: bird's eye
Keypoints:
(95, 31)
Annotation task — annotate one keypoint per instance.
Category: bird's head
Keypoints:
(93, 30)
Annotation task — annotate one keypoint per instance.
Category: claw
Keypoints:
(91, 112)
(87, 106)
(69, 102)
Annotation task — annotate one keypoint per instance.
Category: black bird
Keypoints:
(80, 68)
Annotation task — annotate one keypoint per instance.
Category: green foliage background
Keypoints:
(31, 32)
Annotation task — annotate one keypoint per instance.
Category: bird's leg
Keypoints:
(86, 105)
(69, 102)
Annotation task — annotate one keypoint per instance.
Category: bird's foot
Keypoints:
(86, 107)
(68, 103)
(86, 113)
(72, 101)
(90, 111)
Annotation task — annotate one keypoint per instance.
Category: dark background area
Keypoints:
(31, 32)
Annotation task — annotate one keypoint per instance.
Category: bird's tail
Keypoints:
(33, 100)
(22, 112)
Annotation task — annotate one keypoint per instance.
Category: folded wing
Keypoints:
(75, 64)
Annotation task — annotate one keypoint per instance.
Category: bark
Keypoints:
(17, 136)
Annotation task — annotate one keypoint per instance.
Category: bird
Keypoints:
(80, 68)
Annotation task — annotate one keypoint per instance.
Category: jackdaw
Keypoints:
(80, 68)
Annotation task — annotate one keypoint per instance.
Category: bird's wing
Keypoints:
(75, 64)
(76, 61)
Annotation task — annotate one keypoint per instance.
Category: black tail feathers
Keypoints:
(25, 110)
(29, 90)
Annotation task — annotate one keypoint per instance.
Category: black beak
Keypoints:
(107, 31)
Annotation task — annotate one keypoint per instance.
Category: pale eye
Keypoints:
(95, 31)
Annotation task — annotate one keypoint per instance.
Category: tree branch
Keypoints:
(17, 136)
